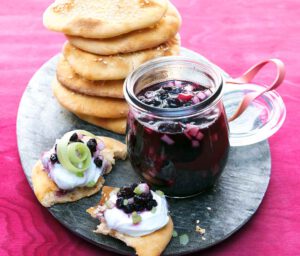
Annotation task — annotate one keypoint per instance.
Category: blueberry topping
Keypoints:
(129, 201)
(98, 162)
(53, 158)
(119, 203)
(92, 145)
(140, 200)
(147, 196)
(139, 207)
(129, 208)
(126, 192)
(74, 137)
(152, 203)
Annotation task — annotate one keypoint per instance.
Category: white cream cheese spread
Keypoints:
(117, 219)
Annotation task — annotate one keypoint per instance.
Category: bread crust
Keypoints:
(102, 18)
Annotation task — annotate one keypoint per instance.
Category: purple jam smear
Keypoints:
(174, 94)
(181, 157)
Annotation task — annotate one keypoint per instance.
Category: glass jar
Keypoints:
(190, 159)
(181, 151)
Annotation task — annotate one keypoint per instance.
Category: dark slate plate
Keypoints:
(221, 211)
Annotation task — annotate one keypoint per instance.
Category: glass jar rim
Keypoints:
(133, 77)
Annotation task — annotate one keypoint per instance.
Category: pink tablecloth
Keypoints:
(234, 35)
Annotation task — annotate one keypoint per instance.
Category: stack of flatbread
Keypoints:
(107, 39)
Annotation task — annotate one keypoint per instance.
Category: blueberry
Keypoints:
(147, 196)
(139, 200)
(153, 102)
(53, 158)
(163, 94)
(174, 103)
(98, 162)
(176, 91)
(156, 102)
(74, 137)
(92, 145)
(119, 203)
(139, 207)
(126, 192)
(152, 203)
(170, 127)
(167, 88)
(129, 208)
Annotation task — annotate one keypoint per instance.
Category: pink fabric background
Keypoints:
(234, 35)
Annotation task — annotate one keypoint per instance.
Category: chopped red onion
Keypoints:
(167, 139)
(193, 131)
(195, 100)
(201, 95)
(189, 88)
(178, 83)
(171, 83)
(199, 136)
(195, 143)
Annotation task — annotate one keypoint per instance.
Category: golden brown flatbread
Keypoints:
(102, 18)
(115, 67)
(117, 125)
(49, 194)
(69, 79)
(150, 245)
(134, 41)
(89, 105)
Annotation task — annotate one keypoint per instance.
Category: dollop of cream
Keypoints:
(67, 180)
(118, 220)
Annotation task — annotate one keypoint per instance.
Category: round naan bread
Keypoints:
(69, 79)
(115, 67)
(138, 40)
(103, 18)
(89, 105)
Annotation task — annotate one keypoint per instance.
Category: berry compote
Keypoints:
(181, 156)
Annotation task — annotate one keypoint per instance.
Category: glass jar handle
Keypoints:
(248, 76)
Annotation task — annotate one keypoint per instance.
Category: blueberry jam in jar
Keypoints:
(177, 131)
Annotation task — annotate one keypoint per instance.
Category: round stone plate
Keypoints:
(221, 211)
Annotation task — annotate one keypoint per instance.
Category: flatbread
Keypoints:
(114, 67)
(117, 125)
(138, 40)
(89, 105)
(46, 190)
(69, 79)
(150, 245)
(102, 18)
